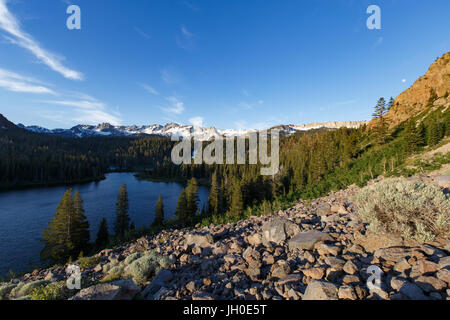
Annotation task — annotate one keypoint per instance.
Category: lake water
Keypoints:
(24, 213)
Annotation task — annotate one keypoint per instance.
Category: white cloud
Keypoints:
(403, 80)
(10, 25)
(88, 111)
(170, 76)
(150, 89)
(142, 33)
(197, 121)
(186, 33)
(186, 40)
(14, 82)
(176, 107)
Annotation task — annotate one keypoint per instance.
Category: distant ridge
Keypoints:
(179, 130)
(5, 123)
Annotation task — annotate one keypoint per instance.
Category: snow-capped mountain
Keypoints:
(182, 131)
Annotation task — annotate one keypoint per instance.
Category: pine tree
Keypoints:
(122, 224)
(413, 137)
(67, 233)
(433, 132)
(214, 205)
(159, 212)
(102, 235)
(237, 203)
(390, 104)
(380, 129)
(181, 207)
(80, 234)
(192, 200)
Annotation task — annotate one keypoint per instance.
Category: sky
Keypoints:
(230, 64)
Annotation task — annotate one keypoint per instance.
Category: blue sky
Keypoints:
(229, 64)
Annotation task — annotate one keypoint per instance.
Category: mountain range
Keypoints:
(179, 130)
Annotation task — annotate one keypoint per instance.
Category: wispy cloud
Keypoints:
(186, 39)
(197, 121)
(378, 42)
(176, 106)
(88, 111)
(248, 105)
(17, 83)
(149, 89)
(14, 33)
(170, 76)
(191, 6)
(142, 33)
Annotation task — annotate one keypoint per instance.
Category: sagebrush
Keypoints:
(410, 209)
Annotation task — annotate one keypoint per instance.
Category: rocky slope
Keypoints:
(313, 250)
(415, 99)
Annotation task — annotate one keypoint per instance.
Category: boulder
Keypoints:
(160, 280)
(430, 284)
(254, 239)
(393, 254)
(278, 230)
(307, 240)
(323, 209)
(117, 290)
(321, 290)
(199, 239)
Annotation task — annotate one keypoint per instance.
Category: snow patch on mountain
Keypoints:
(179, 130)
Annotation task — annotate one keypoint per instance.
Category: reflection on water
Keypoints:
(24, 213)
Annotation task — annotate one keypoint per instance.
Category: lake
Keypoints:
(24, 213)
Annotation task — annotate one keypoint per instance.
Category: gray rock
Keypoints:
(323, 209)
(199, 239)
(307, 240)
(335, 263)
(393, 253)
(278, 230)
(281, 270)
(430, 284)
(444, 262)
(117, 290)
(412, 291)
(350, 267)
(160, 280)
(402, 265)
(443, 181)
(320, 290)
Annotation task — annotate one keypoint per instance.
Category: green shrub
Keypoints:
(53, 291)
(132, 257)
(23, 289)
(142, 269)
(107, 267)
(88, 262)
(6, 289)
(405, 208)
(111, 277)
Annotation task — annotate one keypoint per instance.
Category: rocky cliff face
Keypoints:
(435, 84)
